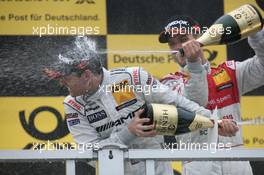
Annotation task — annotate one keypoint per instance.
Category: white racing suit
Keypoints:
(226, 84)
(103, 116)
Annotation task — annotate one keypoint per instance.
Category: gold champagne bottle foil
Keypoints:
(212, 35)
(165, 118)
(200, 122)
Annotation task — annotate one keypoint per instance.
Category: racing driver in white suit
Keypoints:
(98, 112)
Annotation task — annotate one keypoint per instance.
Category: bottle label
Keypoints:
(236, 25)
(165, 118)
(247, 19)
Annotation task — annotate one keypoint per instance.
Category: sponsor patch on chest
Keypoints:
(221, 77)
(95, 117)
(74, 104)
(123, 94)
(222, 80)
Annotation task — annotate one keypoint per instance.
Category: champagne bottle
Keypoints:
(169, 120)
(234, 26)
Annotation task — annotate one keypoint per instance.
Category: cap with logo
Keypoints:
(178, 25)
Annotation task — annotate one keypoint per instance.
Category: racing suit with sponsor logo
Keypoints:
(103, 116)
(226, 84)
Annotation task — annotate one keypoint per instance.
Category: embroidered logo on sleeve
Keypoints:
(231, 64)
(72, 119)
(136, 76)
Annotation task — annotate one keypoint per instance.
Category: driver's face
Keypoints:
(74, 84)
(175, 43)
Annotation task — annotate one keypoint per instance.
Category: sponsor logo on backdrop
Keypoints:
(143, 59)
(66, 21)
(55, 29)
(152, 58)
(55, 1)
(212, 54)
(48, 17)
(254, 140)
(29, 126)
